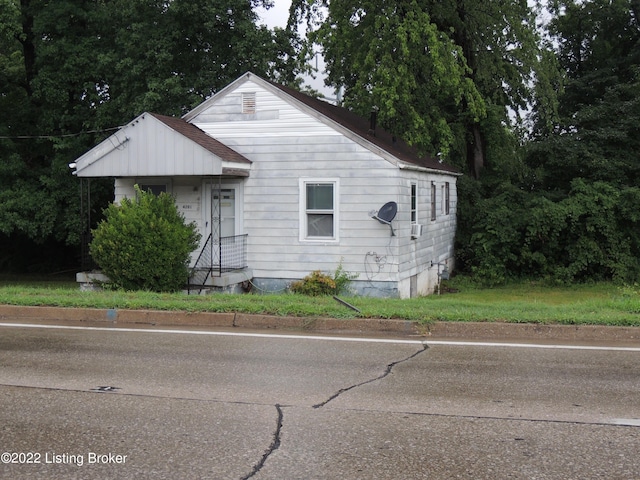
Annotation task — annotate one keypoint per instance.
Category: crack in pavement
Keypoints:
(275, 444)
(380, 377)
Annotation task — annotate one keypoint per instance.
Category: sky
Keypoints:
(277, 16)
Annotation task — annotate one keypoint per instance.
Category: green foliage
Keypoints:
(441, 74)
(597, 132)
(489, 245)
(392, 56)
(314, 284)
(593, 303)
(591, 234)
(570, 213)
(71, 67)
(342, 279)
(318, 283)
(144, 244)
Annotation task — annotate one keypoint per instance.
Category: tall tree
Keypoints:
(573, 214)
(390, 56)
(442, 74)
(72, 69)
(597, 134)
(170, 56)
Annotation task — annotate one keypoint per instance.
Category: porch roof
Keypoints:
(156, 145)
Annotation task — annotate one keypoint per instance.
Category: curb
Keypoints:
(436, 330)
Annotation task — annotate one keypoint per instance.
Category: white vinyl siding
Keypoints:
(286, 145)
(293, 149)
(289, 146)
(147, 147)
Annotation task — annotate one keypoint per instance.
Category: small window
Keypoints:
(318, 210)
(414, 203)
(154, 188)
(249, 102)
(433, 201)
(446, 199)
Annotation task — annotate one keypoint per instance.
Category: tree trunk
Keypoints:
(475, 150)
(28, 45)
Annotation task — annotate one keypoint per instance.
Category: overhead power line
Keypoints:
(61, 135)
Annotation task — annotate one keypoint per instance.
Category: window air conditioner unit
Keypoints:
(416, 230)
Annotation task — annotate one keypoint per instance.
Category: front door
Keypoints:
(222, 217)
(221, 210)
(225, 203)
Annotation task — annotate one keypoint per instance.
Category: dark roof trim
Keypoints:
(362, 127)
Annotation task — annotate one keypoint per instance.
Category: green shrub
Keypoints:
(318, 283)
(342, 279)
(144, 244)
(314, 284)
(587, 233)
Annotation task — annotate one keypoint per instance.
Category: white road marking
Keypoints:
(219, 334)
(327, 338)
(534, 345)
(628, 422)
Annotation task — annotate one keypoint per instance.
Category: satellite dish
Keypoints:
(386, 214)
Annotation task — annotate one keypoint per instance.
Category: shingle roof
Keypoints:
(201, 138)
(361, 127)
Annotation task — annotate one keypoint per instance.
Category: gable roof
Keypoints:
(198, 136)
(362, 127)
(156, 145)
(357, 126)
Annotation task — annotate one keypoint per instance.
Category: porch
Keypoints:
(221, 264)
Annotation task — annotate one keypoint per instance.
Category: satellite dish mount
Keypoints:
(386, 214)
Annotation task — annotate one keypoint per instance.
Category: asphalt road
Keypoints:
(136, 403)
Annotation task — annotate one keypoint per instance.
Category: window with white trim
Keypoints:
(318, 209)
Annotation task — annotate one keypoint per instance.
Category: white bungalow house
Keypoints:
(281, 184)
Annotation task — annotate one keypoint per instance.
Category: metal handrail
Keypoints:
(230, 254)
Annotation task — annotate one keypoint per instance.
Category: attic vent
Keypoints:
(249, 102)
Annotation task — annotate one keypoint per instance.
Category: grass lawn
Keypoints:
(527, 302)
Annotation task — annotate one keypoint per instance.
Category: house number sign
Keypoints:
(192, 207)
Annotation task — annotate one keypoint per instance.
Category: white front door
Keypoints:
(227, 207)
(221, 210)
